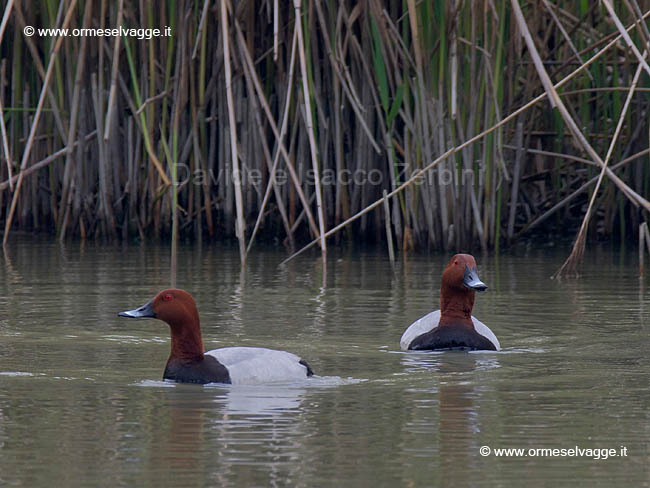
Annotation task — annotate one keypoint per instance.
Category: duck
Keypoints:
(453, 326)
(188, 363)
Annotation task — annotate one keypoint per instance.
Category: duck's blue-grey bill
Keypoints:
(472, 281)
(145, 310)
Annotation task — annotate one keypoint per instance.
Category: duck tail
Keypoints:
(310, 372)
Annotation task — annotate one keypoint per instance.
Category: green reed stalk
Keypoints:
(406, 79)
(142, 117)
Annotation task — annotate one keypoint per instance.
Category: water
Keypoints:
(82, 402)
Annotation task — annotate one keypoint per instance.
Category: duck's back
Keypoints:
(249, 365)
(421, 326)
(430, 322)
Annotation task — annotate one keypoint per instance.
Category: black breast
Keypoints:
(203, 370)
(451, 337)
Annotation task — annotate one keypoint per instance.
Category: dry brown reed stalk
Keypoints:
(276, 159)
(107, 218)
(142, 118)
(276, 132)
(38, 64)
(646, 233)
(310, 128)
(419, 173)
(519, 138)
(625, 35)
(46, 161)
(200, 36)
(343, 76)
(68, 172)
(565, 34)
(565, 201)
(5, 140)
(642, 237)
(569, 267)
(390, 86)
(237, 176)
(114, 71)
(5, 146)
(5, 18)
(389, 233)
(32, 132)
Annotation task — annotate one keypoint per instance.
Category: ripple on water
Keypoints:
(128, 339)
(409, 424)
(312, 382)
(252, 401)
(27, 374)
(156, 384)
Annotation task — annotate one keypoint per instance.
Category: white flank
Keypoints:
(485, 331)
(420, 326)
(252, 365)
(430, 321)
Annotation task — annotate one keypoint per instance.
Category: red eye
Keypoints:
(456, 263)
(167, 297)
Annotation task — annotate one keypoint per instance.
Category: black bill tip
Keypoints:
(472, 281)
(145, 310)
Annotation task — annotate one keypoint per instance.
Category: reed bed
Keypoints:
(444, 125)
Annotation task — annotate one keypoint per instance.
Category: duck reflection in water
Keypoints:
(459, 394)
(201, 431)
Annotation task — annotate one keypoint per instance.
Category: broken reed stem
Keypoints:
(150, 100)
(50, 159)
